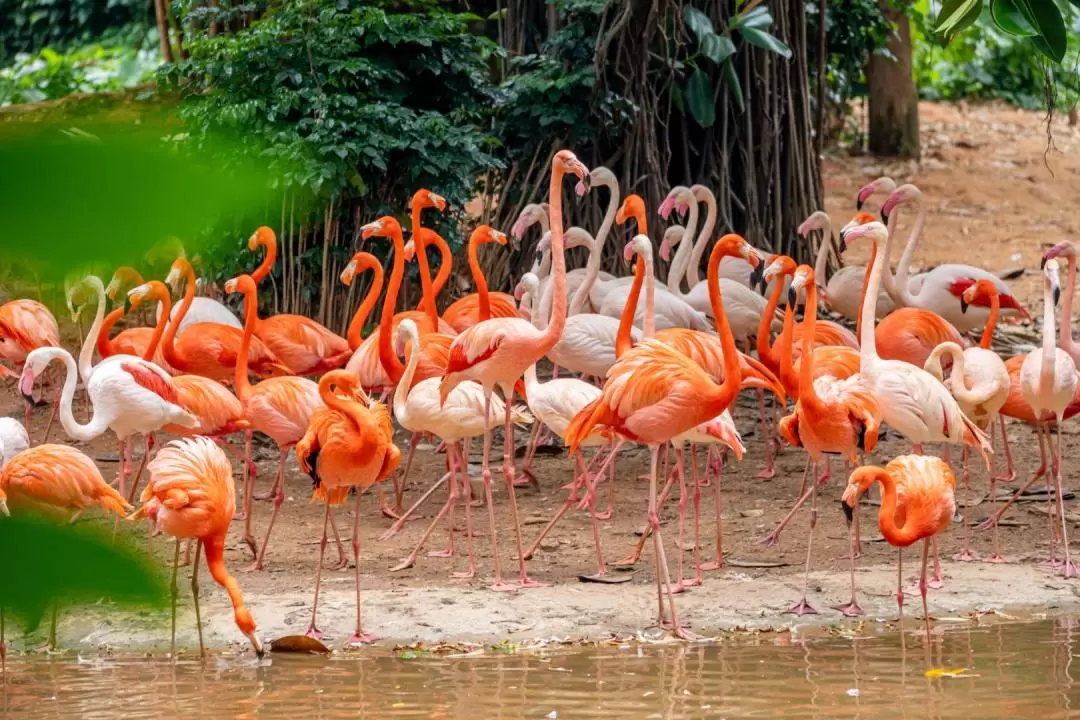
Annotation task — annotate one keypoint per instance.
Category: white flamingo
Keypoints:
(13, 438)
(687, 261)
(842, 292)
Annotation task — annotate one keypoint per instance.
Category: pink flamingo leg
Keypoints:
(614, 450)
(279, 498)
(449, 550)
(580, 478)
(498, 585)
(530, 452)
(1010, 469)
(359, 636)
(803, 607)
(459, 465)
(52, 417)
(697, 579)
(772, 538)
(639, 546)
(400, 522)
(766, 432)
(923, 585)
(679, 585)
(662, 574)
(852, 609)
(313, 631)
(719, 561)
(992, 521)
(249, 489)
(996, 557)
(150, 441)
(965, 555)
(508, 471)
(451, 499)
(900, 588)
(399, 481)
(1068, 570)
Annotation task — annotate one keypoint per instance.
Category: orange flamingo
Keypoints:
(26, 325)
(831, 416)
(203, 309)
(210, 349)
(360, 262)
(420, 201)
(348, 444)
(279, 407)
(56, 479)
(476, 307)
(191, 495)
(654, 394)
(132, 341)
(301, 344)
(499, 351)
(917, 503)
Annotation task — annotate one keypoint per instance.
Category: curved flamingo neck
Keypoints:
(862, 293)
(592, 271)
(105, 346)
(558, 260)
(168, 348)
(732, 373)
(390, 361)
(610, 211)
(782, 350)
(401, 392)
(251, 318)
(1066, 339)
(447, 264)
(987, 338)
(1046, 370)
(807, 393)
(420, 239)
(681, 262)
(478, 278)
(76, 431)
(86, 354)
(892, 518)
(770, 356)
(649, 326)
(623, 339)
(162, 294)
(638, 213)
(867, 342)
(693, 276)
(821, 262)
(269, 241)
(909, 251)
(333, 401)
(214, 546)
(356, 325)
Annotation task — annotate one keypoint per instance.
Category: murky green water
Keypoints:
(1019, 670)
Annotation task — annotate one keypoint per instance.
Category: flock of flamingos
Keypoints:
(654, 365)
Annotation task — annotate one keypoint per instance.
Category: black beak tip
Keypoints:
(858, 203)
(884, 217)
(1057, 296)
(1042, 263)
(127, 305)
(587, 182)
(963, 305)
(843, 243)
(757, 276)
(31, 401)
(791, 296)
(849, 513)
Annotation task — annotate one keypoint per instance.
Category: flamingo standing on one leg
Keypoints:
(831, 416)
(980, 384)
(349, 444)
(56, 478)
(191, 495)
(279, 407)
(917, 502)
(500, 350)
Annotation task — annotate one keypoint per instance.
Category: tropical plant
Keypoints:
(1040, 22)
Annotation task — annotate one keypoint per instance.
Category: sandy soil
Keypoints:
(986, 182)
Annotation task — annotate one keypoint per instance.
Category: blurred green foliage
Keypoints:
(28, 26)
(47, 562)
(49, 75)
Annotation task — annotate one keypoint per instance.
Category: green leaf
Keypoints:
(717, 48)
(956, 15)
(764, 40)
(699, 99)
(698, 22)
(1046, 18)
(758, 18)
(71, 563)
(732, 80)
(1010, 18)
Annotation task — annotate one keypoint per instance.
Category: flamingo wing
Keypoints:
(153, 379)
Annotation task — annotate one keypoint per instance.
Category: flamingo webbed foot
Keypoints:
(852, 609)
(801, 608)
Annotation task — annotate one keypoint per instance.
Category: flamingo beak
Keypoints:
(26, 385)
(256, 645)
(849, 512)
(757, 276)
(792, 295)
(4, 508)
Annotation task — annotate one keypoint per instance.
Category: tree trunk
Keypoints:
(162, 18)
(894, 101)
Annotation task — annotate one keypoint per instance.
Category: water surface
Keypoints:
(1017, 670)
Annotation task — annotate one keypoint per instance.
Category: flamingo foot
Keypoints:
(388, 512)
(629, 561)
(965, 556)
(712, 565)
(684, 634)
(263, 495)
(501, 586)
(525, 478)
(250, 542)
(769, 540)
(441, 553)
(340, 564)
(528, 583)
(314, 633)
(692, 582)
(605, 515)
(253, 567)
(801, 608)
(989, 523)
(1068, 569)
(851, 555)
(678, 588)
(466, 575)
(362, 639)
(404, 564)
(995, 558)
(852, 609)
(767, 474)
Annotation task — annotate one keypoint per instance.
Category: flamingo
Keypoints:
(1048, 382)
(836, 416)
(979, 382)
(211, 349)
(421, 200)
(687, 258)
(202, 309)
(480, 305)
(26, 325)
(941, 287)
(13, 439)
(348, 444)
(460, 417)
(132, 341)
(654, 393)
(299, 343)
(917, 502)
(1066, 250)
(279, 407)
(360, 262)
(843, 292)
(191, 495)
(129, 395)
(731, 268)
(55, 479)
(499, 350)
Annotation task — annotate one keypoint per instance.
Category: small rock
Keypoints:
(547, 544)
(754, 512)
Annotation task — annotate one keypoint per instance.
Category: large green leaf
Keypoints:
(956, 15)
(732, 80)
(47, 562)
(698, 22)
(699, 99)
(1009, 17)
(764, 40)
(757, 17)
(717, 48)
(1046, 18)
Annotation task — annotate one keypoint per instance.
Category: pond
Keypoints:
(1010, 670)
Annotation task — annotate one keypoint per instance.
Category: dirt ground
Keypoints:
(985, 179)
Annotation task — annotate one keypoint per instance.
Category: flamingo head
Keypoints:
(735, 245)
(979, 293)
(678, 197)
(122, 276)
(1052, 279)
(383, 227)
(863, 225)
(406, 334)
(859, 482)
(529, 283)
(803, 274)
(777, 266)
(672, 237)
(1063, 248)
(904, 195)
(138, 294)
(177, 272)
(35, 364)
(640, 246)
(424, 198)
(883, 184)
(240, 284)
(484, 234)
(531, 214)
(262, 237)
(567, 162)
(632, 207)
(76, 295)
(818, 220)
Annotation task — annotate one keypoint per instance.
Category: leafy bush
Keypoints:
(31, 25)
(49, 75)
